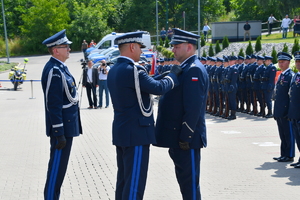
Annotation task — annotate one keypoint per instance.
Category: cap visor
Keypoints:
(67, 42)
(175, 42)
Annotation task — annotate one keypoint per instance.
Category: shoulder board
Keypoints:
(139, 67)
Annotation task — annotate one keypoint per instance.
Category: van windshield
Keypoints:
(104, 45)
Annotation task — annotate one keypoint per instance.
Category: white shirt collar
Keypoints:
(60, 61)
(127, 58)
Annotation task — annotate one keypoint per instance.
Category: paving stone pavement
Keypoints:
(237, 164)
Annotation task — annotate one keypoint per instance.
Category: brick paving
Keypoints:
(237, 164)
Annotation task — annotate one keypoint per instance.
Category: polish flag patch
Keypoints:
(194, 78)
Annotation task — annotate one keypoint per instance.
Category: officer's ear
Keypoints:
(132, 47)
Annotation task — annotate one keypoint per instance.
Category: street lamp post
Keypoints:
(199, 46)
(167, 17)
(157, 24)
(4, 24)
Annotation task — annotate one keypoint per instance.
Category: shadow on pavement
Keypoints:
(283, 170)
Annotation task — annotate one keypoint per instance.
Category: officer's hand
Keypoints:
(176, 69)
(61, 142)
(184, 145)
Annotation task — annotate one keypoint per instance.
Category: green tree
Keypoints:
(90, 23)
(14, 9)
(225, 42)
(167, 43)
(241, 53)
(218, 48)
(295, 46)
(249, 49)
(130, 15)
(43, 19)
(204, 53)
(211, 50)
(258, 44)
(161, 42)
(285, 48)
(274, 55)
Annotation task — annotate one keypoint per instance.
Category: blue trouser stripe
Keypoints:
(140, 153)
(53, 175)
(135, 172)
(193, 174)
(292, 149)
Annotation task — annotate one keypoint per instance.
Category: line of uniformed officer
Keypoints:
(164, 65)
(238, 83)
(294, 105)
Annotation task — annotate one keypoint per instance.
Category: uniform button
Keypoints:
(56, 131)
(190, 136)
(68, 120)
(174, 128)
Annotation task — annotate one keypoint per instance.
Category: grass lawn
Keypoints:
(277, 38)
(4, 66)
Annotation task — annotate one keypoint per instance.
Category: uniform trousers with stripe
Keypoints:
(187, 170)
(296, 131)
(268, 98)
(285, 129)
(132, 165)
(57, 167)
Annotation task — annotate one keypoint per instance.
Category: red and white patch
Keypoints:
(194, 78)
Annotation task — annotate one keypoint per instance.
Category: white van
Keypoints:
(109, 41)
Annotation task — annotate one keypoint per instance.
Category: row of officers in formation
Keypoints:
(235, 83)
(248, 85)
(239, 84)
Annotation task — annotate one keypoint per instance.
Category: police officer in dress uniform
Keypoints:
(133, 125)
(246, 75)
(252, 68)
(61, 109)
(241, 86)
(231, 86)
(216, 78)
(209, 101)
(224, 88)
(257, 78)
(211, 84)
(294, 107)
(268, 84)
(281, 108)
(180, 124)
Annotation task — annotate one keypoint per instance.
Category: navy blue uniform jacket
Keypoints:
(181, 112)
(130, 126)
(294, 106)
(268, 82)
(62, 113)
(281, 105)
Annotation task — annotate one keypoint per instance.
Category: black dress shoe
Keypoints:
(231, 117)
(268, 116)
(277, 158)
(286, 159)
(297, 166)
(259, 114)
(294, 164)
